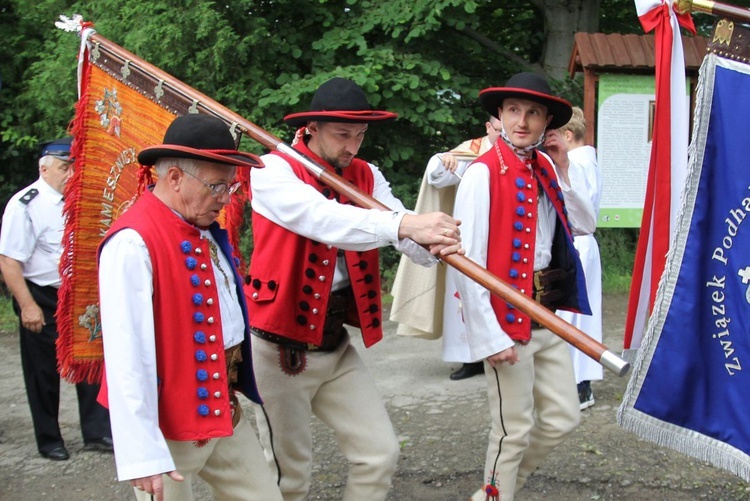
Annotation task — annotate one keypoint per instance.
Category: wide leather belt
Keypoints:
(330, 341)
(548, 287)
(339, 303)
(548, 290)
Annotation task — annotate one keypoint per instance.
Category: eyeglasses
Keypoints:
(217, 189)
(498, 130)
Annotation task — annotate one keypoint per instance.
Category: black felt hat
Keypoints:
(201, 137)
(532, 87)
(59, 148)
(339, 100)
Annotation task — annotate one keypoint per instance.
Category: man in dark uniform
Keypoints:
(30, 249)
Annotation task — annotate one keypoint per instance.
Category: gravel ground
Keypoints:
(442, 426)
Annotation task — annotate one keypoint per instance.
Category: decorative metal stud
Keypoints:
(159, 90)
(125, 71)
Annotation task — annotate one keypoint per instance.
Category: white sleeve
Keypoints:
(17, 238)
(280, 196)
(125, 296)
(485, 336)
(382, 193)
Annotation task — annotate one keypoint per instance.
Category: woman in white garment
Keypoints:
(583, 158)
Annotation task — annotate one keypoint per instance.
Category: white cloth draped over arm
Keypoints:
(125, 295)
(440, 177)
(283, 198)
(485, 336)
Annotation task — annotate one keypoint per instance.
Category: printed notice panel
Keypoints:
(625, 121)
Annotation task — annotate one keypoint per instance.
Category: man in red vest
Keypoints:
(314, 268)
(174, 326)
(520, 207)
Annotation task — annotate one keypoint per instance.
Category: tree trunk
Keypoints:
(562, 19)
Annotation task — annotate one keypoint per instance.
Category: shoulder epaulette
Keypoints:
(29, 196)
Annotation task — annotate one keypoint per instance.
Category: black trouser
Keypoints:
(39, 362)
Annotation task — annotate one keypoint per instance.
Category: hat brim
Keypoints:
(560, 109)
(150, 155)
(300, 119)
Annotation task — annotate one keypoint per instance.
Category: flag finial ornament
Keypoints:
(70, 24)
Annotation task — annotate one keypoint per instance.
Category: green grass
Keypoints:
(617, 247)
(8, 319)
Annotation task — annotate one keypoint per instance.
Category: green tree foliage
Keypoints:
(424, 59)
(29, 111)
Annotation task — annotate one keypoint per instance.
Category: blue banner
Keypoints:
(690, 387)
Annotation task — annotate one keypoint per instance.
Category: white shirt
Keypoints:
(485, 336)
(283, 198)
(32, 233)
(125, 294)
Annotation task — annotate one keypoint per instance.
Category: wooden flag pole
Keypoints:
(176, 96)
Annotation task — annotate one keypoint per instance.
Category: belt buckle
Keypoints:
(537, 280)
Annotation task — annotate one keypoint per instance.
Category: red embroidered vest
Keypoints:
(190, 361)
(511, 244)
(290, 276)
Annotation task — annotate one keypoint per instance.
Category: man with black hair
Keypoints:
(520, 207)
(315, 268)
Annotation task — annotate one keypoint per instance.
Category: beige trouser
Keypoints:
(534, 406)
(338, 389)
(233, 467)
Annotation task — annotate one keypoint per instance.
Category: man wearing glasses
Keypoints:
(176, 345)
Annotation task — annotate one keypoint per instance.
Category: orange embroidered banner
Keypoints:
(113, 123)
(125, 104)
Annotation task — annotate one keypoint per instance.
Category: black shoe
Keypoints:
(103, 444)
(56, 454)
(468, 370)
